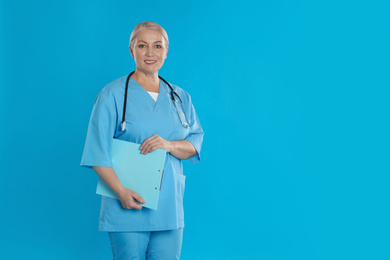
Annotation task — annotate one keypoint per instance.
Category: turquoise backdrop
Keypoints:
(293, 97)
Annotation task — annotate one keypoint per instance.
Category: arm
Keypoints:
(125, 195)
(180, 149)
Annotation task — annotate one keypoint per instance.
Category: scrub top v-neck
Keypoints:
(144, 118)
(147, 95)
(154, 95)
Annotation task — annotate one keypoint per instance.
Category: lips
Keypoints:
(150, 61)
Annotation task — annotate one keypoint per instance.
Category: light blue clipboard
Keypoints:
(139, 172)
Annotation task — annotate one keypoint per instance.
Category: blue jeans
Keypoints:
(151, 245)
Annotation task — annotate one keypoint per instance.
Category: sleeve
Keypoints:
(196, 133)
(101, 130)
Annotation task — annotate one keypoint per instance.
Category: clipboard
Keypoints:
(139, 172)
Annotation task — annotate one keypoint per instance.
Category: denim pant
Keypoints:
(151, 245)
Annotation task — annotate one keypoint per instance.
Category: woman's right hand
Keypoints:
(125, 195)
(128, 197)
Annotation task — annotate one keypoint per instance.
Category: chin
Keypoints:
(151, 70)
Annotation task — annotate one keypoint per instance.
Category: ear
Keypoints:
(166, 53)
(131, 52)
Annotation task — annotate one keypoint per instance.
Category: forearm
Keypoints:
(109, 176)
(182, 149)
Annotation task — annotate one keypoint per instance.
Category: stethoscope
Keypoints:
(173, 94)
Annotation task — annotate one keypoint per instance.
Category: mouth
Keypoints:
(150, 61)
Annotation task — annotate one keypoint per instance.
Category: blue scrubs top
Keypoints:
(144, 118)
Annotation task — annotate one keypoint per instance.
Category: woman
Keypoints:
(153, 120)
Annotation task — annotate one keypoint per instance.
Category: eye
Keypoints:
(158, 46)
(141, 45)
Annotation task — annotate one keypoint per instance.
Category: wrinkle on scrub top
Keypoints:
(144, 118)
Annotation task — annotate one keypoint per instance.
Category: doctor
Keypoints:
(153, 120)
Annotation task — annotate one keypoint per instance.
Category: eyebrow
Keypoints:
(146, 42)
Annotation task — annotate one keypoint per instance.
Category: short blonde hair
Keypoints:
(147, 25)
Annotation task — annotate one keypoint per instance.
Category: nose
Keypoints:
(149, 52)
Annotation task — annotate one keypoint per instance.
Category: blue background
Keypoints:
(293, 97)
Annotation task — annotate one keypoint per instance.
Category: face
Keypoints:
(149, 51)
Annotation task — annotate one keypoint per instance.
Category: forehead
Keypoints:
(149, 35)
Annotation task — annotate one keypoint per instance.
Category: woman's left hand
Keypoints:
(155, 142)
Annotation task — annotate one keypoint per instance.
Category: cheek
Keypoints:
(163, 57)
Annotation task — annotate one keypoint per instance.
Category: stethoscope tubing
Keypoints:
(173, 94)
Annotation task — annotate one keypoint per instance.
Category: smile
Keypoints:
(150, 61)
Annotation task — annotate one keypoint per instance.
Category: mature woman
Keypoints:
(155, 121)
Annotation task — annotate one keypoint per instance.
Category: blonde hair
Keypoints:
(147, 25)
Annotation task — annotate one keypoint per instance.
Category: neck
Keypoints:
(150, 82)
(150, 79)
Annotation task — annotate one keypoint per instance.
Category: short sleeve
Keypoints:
(196, 133)
(101, 129)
